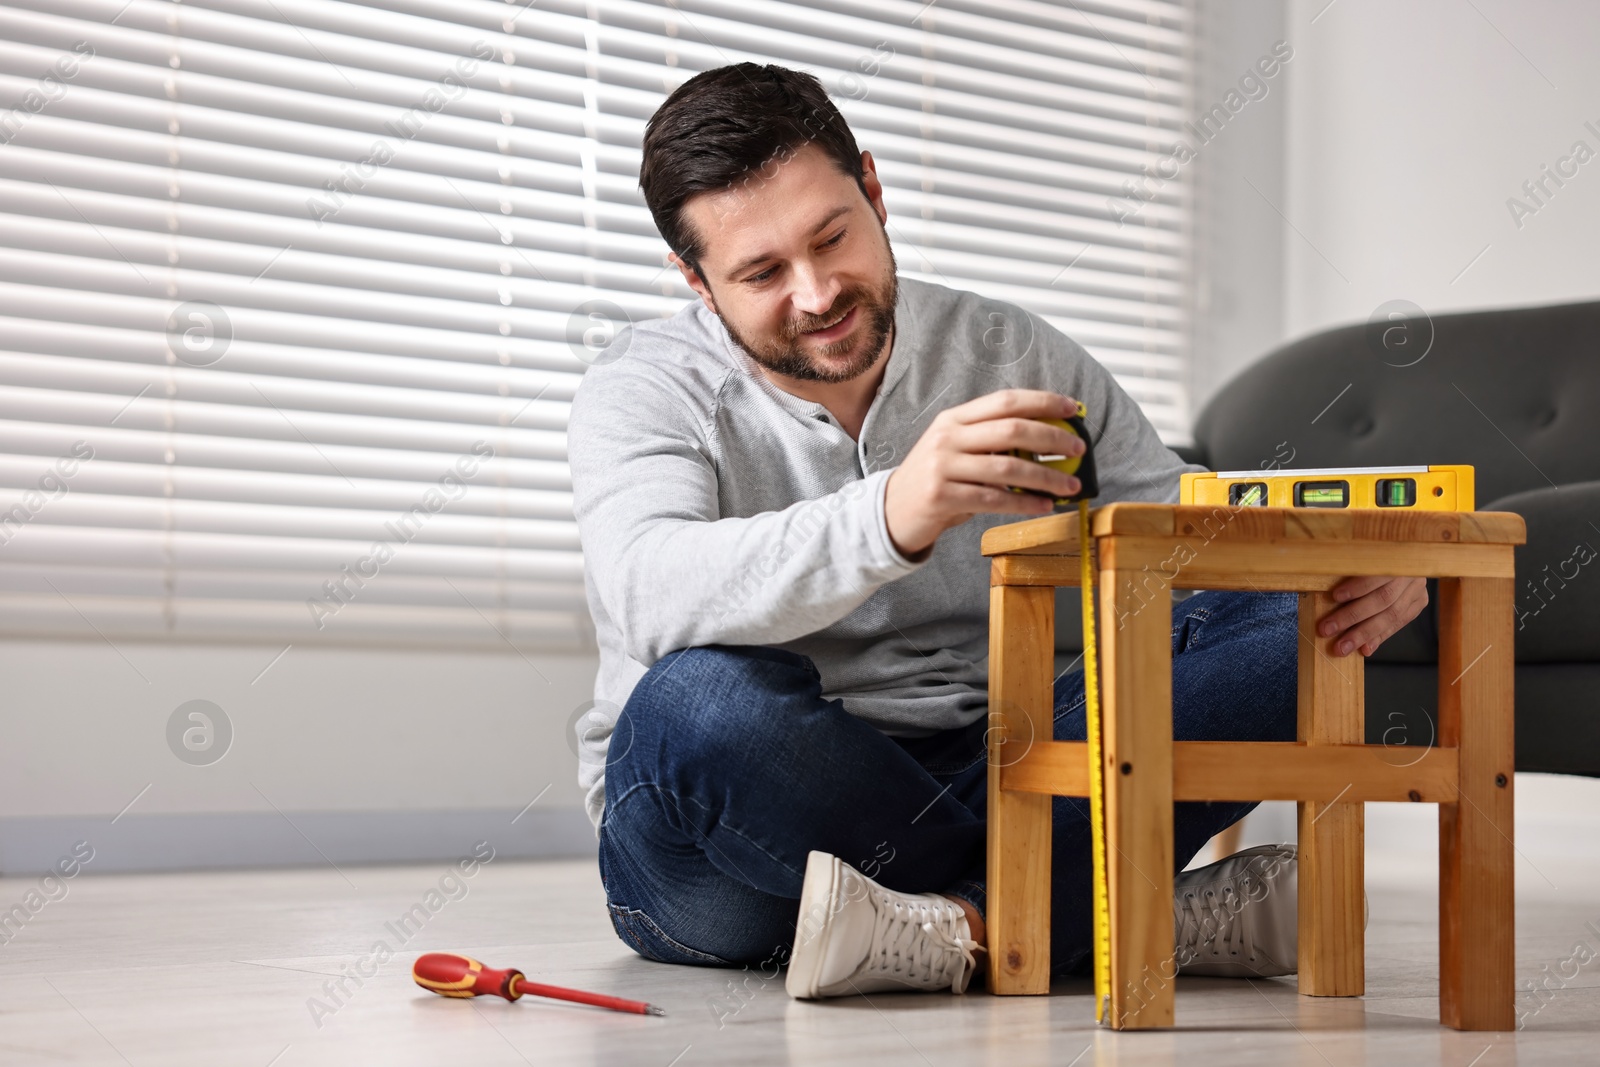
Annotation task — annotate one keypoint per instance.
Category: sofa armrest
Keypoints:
(1558, 573)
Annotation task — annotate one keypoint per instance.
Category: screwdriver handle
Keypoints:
(452, 975)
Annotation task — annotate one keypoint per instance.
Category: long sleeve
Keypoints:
(669, 569)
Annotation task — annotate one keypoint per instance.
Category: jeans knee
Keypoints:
(1240, 666)
(1268, 622)
(1281, 618)
(714, 701)
(646, 937)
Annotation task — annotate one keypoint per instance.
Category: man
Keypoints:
(780, 492)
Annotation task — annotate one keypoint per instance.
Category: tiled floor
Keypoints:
(230, 969)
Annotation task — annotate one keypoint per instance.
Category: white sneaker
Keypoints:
(1239, 917)
(855, 936)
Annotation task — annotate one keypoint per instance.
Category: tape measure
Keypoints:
(1082, 468)
(1097, 785)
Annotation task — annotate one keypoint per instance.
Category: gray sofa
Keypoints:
(1516, 394)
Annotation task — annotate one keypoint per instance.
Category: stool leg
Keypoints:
(1476, 918)
(1332, 835)
(1021, 711)
(1136, 669)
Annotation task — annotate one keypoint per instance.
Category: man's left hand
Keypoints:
(1371, 611)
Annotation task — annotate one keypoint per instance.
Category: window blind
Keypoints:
(294, 294)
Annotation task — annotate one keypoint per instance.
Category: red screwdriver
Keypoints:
(452, 975)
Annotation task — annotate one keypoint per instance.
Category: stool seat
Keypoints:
(1140, 552)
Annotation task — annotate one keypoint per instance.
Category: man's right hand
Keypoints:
(959, 467)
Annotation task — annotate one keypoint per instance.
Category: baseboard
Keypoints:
(170, 842)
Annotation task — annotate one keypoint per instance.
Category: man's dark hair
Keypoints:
(732, 125)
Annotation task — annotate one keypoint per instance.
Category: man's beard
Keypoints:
(784, 355)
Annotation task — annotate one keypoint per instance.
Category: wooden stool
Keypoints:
(1142, 550)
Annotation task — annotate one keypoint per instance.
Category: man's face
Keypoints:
(798, 267)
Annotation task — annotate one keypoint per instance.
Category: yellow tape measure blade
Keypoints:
(1091, 706)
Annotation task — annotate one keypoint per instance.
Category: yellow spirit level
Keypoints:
(1434, 488)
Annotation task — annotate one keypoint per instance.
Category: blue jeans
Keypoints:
(727, 767)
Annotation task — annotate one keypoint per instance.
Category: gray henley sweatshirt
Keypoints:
(715, 508)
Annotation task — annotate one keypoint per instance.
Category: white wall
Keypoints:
(1379, 166)
(1238, 190)
(368, 753)
(1400, 132)
(1410, 125)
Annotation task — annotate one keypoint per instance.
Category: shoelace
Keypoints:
(917, 941)
(1208, 927)
(962, 945)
